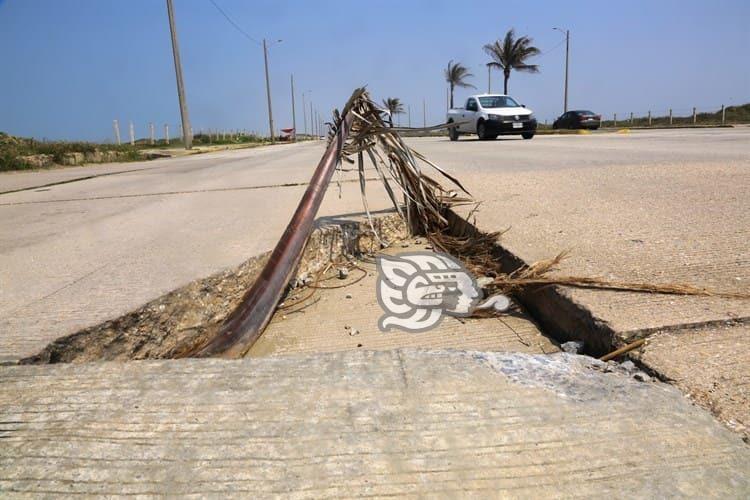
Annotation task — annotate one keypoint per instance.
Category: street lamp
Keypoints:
(567, 57)
(268, 84)
(304, 110)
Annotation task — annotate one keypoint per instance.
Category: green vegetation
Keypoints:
(733, 115)
(394, 107)
(14, 149)
(20, 153)
(456, 75)
(511, 54)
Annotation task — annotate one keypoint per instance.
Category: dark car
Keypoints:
(578, 119)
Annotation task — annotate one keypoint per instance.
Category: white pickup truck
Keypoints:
(490, 115)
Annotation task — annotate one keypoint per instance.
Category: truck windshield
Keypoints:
(498, 101)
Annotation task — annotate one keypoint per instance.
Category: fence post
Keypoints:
(615, 120)
(649, 117)
(670, 116)
(723, 115)
(631, 117)
(695, 117)
(132, 134)
(166, 134)
(116, 126)
(151, 132)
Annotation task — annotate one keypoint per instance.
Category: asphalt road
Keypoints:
(80, 252)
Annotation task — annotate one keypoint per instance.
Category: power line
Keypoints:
(551, 50)
(236, 26)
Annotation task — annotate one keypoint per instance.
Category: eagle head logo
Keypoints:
(415, 289)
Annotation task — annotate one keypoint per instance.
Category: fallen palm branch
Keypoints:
(247, 322)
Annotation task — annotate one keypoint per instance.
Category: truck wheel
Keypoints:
(453, 132)
(527, 135)
(482, 131)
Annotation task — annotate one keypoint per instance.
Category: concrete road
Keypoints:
(398, 423)
(651, 207)
(77, 253)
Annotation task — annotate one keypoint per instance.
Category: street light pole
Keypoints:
(304, 114)
(187, 136)
(567, 59)
(294, 116)
(268, 90)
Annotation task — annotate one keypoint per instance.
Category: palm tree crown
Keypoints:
(456, 75)
(394, 107)
(511, 54)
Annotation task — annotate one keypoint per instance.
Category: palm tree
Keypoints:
(394, 107)
(512, 54)
(456, 75)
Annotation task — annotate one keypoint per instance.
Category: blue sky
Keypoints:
(72, 66)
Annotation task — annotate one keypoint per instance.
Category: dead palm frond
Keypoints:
(400, 168)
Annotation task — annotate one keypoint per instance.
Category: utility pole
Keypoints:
(424, 113)
(166, 134)
(312, 128)
(116, 126)
(151, 133)
(294, 116)
(268, 89)
(186, 135)
(489, 78)
(304, 113)
(408, 108)
(567, 59)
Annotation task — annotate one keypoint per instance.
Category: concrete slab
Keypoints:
(345, 316)
(657, 207)
(393, 423)
(709, 364)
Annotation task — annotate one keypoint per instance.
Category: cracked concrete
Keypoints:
(391, 423)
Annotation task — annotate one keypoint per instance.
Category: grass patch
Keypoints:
(14, 149)
(733, 115)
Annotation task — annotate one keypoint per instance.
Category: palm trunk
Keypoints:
(451, 95)
(507, 77)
